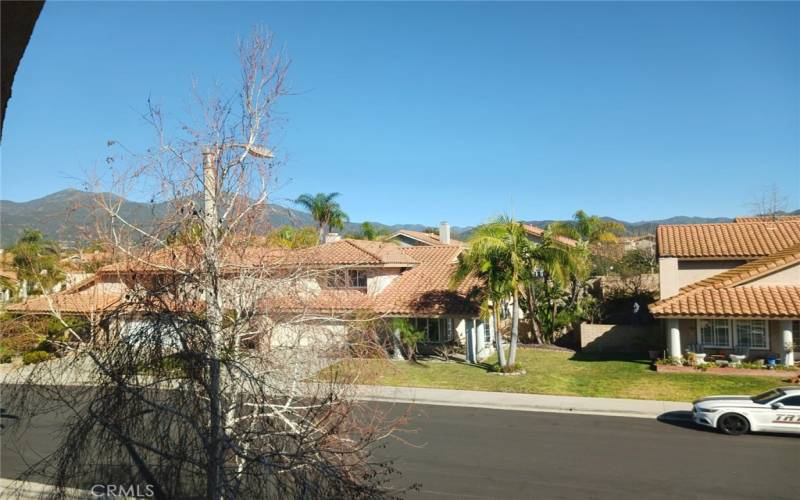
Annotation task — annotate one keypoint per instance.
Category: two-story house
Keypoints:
(333, 283)
(731, 287)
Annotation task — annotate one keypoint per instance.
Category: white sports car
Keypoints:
(777, 410)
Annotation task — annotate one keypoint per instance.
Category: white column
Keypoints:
(673, 338)
(787, 352)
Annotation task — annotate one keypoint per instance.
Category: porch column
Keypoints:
(673, 338)
(787, 350)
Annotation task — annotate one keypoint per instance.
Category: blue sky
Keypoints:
(420, 112)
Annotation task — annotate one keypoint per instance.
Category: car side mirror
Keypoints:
(777, 406)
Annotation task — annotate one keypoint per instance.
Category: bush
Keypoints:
(5, 355)
(32, 357)
(496, 368)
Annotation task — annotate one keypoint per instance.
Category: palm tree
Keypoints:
(36, 260)
(589, 228)
(325, 211)
(501, 253)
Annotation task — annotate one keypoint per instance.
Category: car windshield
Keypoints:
(768, 396)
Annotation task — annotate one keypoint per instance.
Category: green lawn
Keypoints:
(555, 372)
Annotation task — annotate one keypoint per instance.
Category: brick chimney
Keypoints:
(444, 233)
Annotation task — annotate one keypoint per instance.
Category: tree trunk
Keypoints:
(512, 352)
(215, 465)
(536, 326)
(397, 345)
(321, 233)
(501, 355)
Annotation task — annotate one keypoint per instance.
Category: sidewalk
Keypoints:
(522, 402)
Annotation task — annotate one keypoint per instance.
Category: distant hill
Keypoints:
(67, 216)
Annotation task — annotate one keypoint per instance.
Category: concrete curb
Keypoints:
(526, 402)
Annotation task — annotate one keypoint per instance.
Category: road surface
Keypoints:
(470, 453)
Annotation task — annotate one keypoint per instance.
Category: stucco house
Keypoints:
(341, 279)
(731, 287)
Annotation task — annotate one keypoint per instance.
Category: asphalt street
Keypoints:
(458, 452)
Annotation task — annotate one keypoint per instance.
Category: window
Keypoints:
(715, 332)
(766, 397)
(751, 333)
(358, 279)
(343, 278)
(433, 331)
(487, 331)
(336, 279)
(791, 401)
(448, 336)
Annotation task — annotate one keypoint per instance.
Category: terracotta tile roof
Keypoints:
(751, 270)
(339, 253)
(740, 240)
(778, 218)
(727, 294)
(353, 253)
(778, 301)
(538, 232)
(427, 238)
(425, 290)
(86, 302)
(420, 291)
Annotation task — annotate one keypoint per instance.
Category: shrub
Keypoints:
(670, 361)
(496, 368)
(32, 357)
(5, 355)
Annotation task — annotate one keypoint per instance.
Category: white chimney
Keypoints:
(331, 237)
(444, 233)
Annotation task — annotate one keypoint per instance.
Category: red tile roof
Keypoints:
(87, 302)
(767, 218)
(538, 232)
(741, 240)
(425, 290)
(774, 301)
(728, 294)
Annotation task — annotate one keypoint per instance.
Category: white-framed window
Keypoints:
(487, 331)
(714, 332)
(752, 333)
(357, 278)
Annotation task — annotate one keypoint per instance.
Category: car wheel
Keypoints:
(733, 424)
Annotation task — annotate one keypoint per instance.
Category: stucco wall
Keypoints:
(788, 276)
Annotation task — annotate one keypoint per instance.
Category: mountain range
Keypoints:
(66, 216)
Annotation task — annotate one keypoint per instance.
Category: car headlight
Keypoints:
(706, 410)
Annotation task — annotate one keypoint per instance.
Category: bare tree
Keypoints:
(770, 203)
(195, 376)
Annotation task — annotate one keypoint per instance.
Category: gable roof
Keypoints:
(751, 270)
(722, 295)
(425, 290)
(424, 238)
(738, 240)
